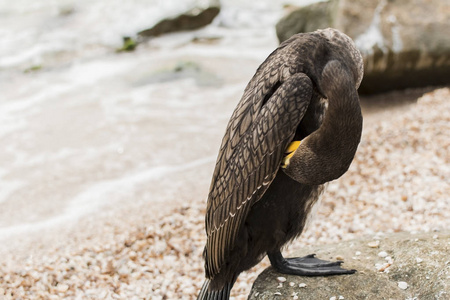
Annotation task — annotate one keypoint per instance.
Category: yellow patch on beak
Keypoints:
(290, 150)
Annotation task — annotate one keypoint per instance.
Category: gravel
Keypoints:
(397, 182)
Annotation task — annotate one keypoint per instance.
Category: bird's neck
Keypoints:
(342, 124)
(327, 153)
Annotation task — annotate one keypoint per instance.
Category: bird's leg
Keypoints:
(306, 266)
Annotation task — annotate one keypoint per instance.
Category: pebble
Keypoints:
(62, 288)
(403, 285)
(339, 257)
(382, 254)
(374, 244)
(383, 267)
(281, 279)
(389, 260)
(291, 283)
(302, 285)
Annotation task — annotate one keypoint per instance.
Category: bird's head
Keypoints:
(347, 51)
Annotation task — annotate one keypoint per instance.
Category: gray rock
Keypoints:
(420, 269)
(309, 18)
(404, 43)
(195, 18)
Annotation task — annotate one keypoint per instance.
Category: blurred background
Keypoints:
(112, 113)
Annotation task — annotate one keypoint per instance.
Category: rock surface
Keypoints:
(404, 43)
(401, 266)
(197, 17)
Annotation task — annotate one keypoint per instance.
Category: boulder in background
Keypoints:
(405, 43)
(197, 17)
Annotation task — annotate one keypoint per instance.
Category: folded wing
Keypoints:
(260, 129)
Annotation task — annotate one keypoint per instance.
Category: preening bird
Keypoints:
(297, 126)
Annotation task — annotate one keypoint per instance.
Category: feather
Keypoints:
(228, 207)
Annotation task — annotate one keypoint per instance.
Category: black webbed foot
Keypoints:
(306, 266)
(310, 261)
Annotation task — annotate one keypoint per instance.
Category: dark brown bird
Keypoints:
(265, 181)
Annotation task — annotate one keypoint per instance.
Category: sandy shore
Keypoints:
(397, 182)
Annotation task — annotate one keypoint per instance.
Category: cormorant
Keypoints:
(297, 126)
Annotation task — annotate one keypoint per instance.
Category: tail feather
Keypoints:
(223, 294)
(204, 291)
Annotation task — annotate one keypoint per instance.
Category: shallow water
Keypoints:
(85, 128)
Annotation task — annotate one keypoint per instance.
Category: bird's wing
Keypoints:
(257, 135)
